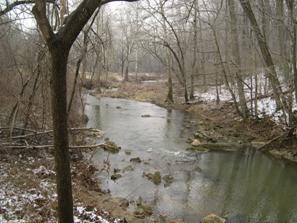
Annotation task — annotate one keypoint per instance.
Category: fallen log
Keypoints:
(231, 147)
(287, 134)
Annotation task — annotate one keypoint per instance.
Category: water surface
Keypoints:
(246, 186)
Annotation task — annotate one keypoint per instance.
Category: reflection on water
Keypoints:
(248, 187)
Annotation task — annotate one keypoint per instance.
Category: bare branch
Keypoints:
(39, 11)
(13, 5)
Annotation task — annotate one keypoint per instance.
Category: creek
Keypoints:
(245, 186)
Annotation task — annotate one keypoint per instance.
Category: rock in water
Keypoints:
(115, 176)
(212, 218)
(110, 146)
(135, 160)
(154, 177)
(145, 116)
(196, 142)
(168, 180)
(128, 152)
(85, 118)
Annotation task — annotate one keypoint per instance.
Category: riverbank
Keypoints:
(217, 121)
(29, 190)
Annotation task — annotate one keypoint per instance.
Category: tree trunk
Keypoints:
(186, 93)
(217, 90)
(224, 71)
(294, 46)
(290, 5)
(74, 85)
(84, 59)
(136, 64)
(275, 83)
(280, 28)
(256, 96)
(59, 56)
(59, 44)
(201, 49)
(237, 60)
(195, 48)
(169, 97)
(192, 87)
(126, 75)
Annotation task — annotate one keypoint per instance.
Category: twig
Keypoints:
(48, 146)
(28, 130)
(50, 131)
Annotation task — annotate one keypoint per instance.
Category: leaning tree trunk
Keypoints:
(59, 56)
(272, 75)
(224, 71)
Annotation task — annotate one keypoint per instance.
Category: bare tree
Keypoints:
(237, 58)
(59, 44)
(276, 86)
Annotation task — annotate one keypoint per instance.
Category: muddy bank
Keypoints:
(218, 122)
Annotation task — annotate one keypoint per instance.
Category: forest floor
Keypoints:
(28, 190)
(217, 120)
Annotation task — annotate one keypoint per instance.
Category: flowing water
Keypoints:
(246, 186)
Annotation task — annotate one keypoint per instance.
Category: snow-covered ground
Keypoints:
(210, 95)
(28, 194)
(266, 105)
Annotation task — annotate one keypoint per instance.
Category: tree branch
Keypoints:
(75, 22)
(39, 12)
(11, 6)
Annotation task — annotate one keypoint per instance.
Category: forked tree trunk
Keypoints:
(59, 56)
(59, 45)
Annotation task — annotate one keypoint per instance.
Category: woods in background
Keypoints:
(245, 47)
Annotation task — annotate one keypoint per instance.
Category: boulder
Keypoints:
(212, 218)
(196, 142)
